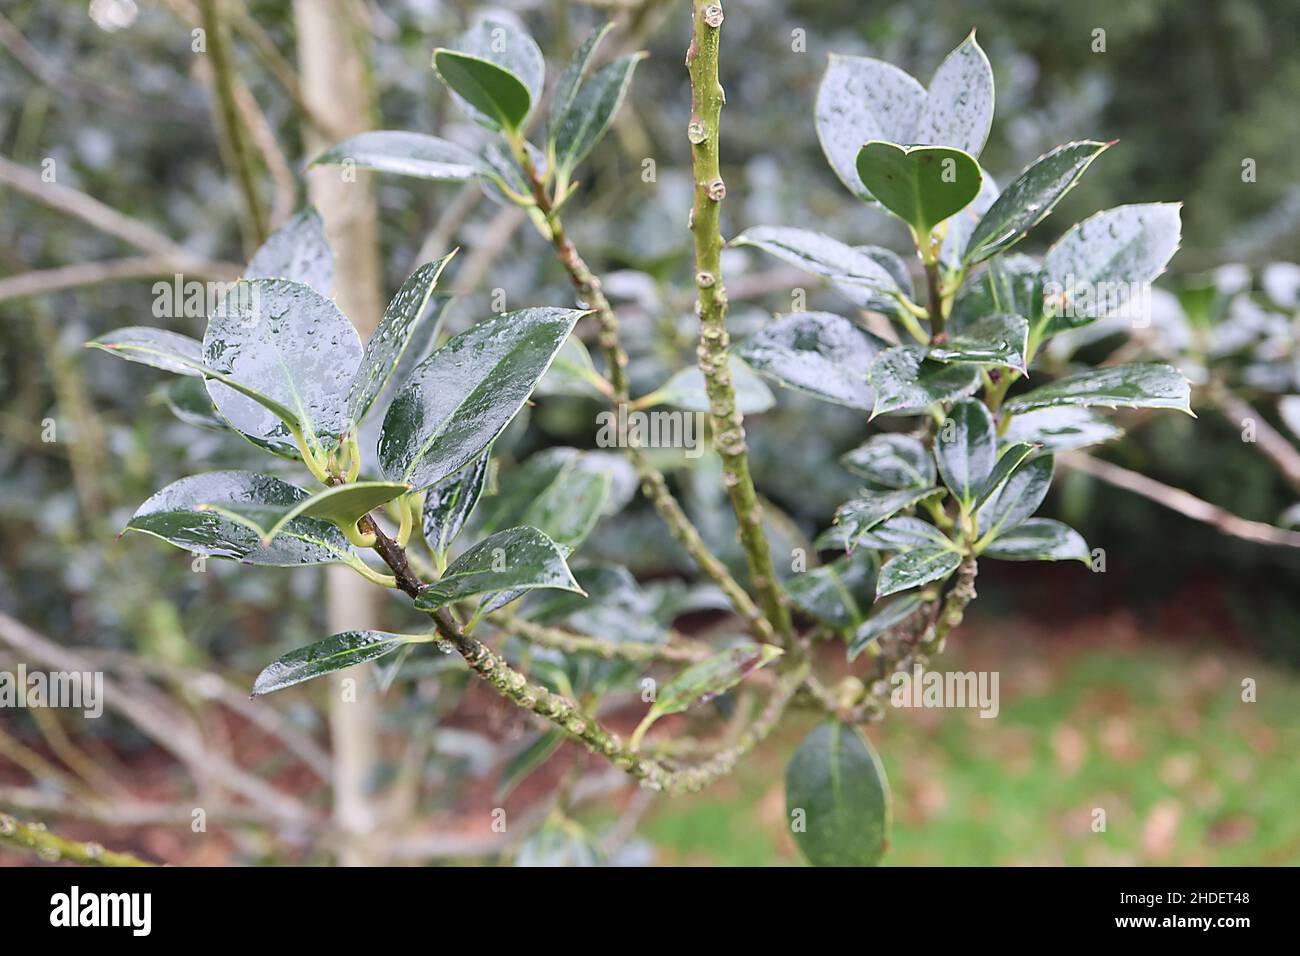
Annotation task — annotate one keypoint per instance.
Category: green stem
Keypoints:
(677, 651)
(938, 313)
(53, 849)
(653, 484)
(728, 423)
(229, 123)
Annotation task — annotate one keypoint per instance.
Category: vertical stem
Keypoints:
(934, 285)
(728, 425)
(229, 122)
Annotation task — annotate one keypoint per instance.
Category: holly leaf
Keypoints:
(517, 559)
(449, 503)
(817, 353)
(966, 449)
(298, 251)
(839, 593)
(922, 185)
(892, 461)
(407, 154)
(906, 382)
(836, 787)
(911, 569)
(1137, 385)
(462, 397)
(1030, 198)
(335, 653)
(177, 514)
(1039, 539)
(884, 617)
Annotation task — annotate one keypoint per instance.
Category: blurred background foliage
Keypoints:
(1190, 89)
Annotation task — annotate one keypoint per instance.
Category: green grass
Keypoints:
(1156, 735)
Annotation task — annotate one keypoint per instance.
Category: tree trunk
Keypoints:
(333, 51)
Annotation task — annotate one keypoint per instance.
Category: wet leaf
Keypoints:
(175, 515)
(892, 461)
(1039, 539)
(1061, 428)
(590, 113)
(990, 340)
(449, 503)
(407, 154)
(340, 505)
(335, 653)
(835, 787)
(298, 251)
(462, 396)
(922, 185)
(1105, 262)
(496, 71)
(1030, 198)
(701, 682)
(1012, 457)
(911, 569)
(818, 353)
(839, 593)
(384, 349)
(966, 449)
(861, 99)
(686, 390)
(958, 108)
(518, 559)
(856, 273)
(1138, 385)
(1019, 498)
(906, 383)
(861, 514)
(885, 616)
(289, 343)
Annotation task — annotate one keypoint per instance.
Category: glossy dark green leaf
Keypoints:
(957, 231)
(861, 514)
(906, 382)
(340, 505)
(384, 349)
(502, 38)
(495, 96)
(1061, 428)
(517, 559)
(1138, 385)
(289, 343)
(1012, 458)
(911, 569)
(407, 154)
(571, 79)
(449, 503)
(839, 593)
(1030, 198)
(686, 390)
(527, 759)
(892, 461)
(157, 348)
(1104, 263)
(903, 533)
(701, 682)
(966, 448)
(861, 99)
(591, 111)
(818, 353)
(462, 397)
(1039, 539)
(1019, 498)
(332, 654)
(183, 355)
(187, 398)
(958, 108)
(1009, 285)
(922, 185)
(837, 798)
(175, 515)
(885, 616)
(298, 251)
(856, 273)
(989, 340)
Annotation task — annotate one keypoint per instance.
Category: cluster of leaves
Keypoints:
(280, 365)
(980, 462)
